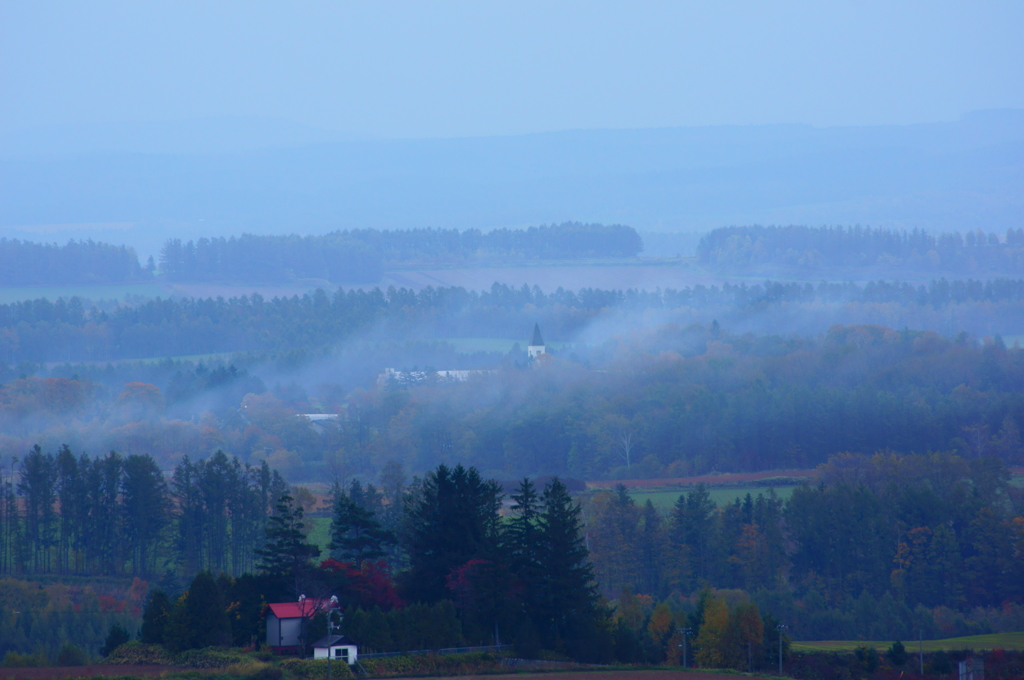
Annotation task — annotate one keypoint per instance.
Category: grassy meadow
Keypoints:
(1007, 641)
(664, 499)
(9, 294)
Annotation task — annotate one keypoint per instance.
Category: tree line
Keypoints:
(117, 515)
(879, 546)
(359, 255)
(444, 560)
(70, 330)
(25, 263)
(468, 573)
(825, 248)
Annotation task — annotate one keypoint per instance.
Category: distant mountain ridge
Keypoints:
(966, 174)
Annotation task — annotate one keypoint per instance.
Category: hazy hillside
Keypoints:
(941, 176)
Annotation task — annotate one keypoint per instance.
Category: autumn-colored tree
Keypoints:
(746, 633)
(661, 625)
(711, 638)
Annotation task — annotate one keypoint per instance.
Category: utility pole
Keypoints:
(920, 649)
(685, 632)
(781, 628)
(330, 635)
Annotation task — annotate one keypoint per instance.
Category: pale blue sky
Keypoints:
(392, 69)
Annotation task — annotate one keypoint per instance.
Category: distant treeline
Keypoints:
(39, 330)
(115, 515)
(271, 259)
(357, 256)
(821, 248)
(24, 263)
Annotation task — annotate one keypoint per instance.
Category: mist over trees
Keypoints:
(688, 400)
(24, 263)
(71, 330)
(822, 249)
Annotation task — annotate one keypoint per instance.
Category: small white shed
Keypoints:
(337, 647)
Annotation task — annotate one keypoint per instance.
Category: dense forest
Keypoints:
(692, 399)
(117, 515)
(24, 263)
(357, 256)
(73, 330)
(445, 560)
(821, 249)
(937, 547)
(271, 259)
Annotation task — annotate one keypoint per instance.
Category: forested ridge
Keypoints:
(359, 255)
(24, 263)
(817, 249)
(73, 330)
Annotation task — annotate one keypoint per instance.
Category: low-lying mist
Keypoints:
(710, 378)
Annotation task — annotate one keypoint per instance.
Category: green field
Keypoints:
(1014, 641)
(664, 499)
(320, 534)
(9, 294)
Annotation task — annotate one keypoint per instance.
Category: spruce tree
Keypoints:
(115, 638)
(355, 533)
(287, 553)
(199, 618)
(567, 594)
(455, 519)
(154, 617)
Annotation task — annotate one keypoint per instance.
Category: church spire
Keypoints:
(536, 347)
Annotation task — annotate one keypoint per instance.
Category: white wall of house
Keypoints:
(338, 653)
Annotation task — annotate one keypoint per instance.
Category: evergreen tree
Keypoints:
(286, 554)
(693, 528)
(115, 638)
(154, 618)
(650, 542)
(566, 589)
(454, 520)
(355, 533)
(523, 538)
(145, 511)
(199, 618)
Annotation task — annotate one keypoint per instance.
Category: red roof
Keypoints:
(297, 610)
